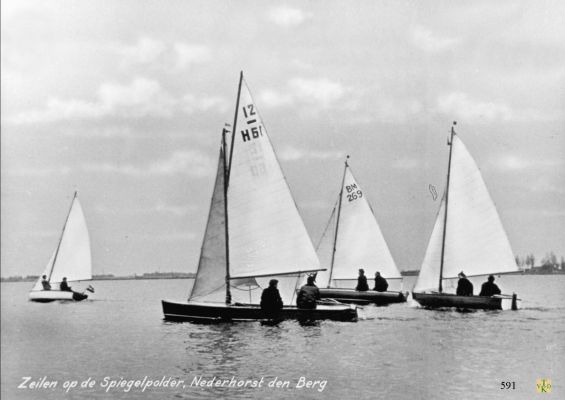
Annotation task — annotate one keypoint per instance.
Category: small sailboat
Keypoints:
(254, 232)
(467, 236)
(351, 241)
(71, 260)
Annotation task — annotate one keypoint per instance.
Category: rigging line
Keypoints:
(327, 225)
(61, 238)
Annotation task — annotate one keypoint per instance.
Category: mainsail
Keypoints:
(359, 242)
(325, 249)
(72, 257)
(266, 233)
(475, 240)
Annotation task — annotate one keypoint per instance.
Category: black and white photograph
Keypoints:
(282, 199)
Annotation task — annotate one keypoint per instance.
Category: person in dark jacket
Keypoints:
(65, 286)
(308, 294)
(381, 285)
(464, 286)
(362, 285)
(489, 288)
(271, 301)
(45, 283)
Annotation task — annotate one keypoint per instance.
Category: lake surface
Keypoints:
(397, 352)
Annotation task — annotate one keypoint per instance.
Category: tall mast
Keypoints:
(337, 220)
(234, 126)
(227, 169)
(61, 238)
(450, 144)
(226, 173)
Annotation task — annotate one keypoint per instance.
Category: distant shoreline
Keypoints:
(109, 277)
(181, 275)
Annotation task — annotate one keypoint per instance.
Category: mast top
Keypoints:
(346, 160)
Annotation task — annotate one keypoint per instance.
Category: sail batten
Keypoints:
(475, 240)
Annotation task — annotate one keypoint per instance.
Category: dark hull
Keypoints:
(217, 312)
(447, 300)
(366, 297)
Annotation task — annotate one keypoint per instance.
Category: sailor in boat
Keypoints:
(362, 285)
(271, 301)
(308, 294)
(489, 288)
(464, 285)
(65, 286)
(45, 283)
(381, 285)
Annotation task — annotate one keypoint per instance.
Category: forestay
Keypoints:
(475, 240)
(325, 249)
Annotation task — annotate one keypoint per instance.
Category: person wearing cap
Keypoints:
(381, 285)
(362, 285)
(308, 294)
(464, 285)
(65, 286)
(489, 288)
(271, 301)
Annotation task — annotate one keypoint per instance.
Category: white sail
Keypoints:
(475, 240)
(360, 242)
(72, 259)
(428, 278)
(210, 281)
(325, 249)
(266, 233)
(47, 272)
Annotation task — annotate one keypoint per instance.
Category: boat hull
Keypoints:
(219, 312)
(365, 297)
(46, 296)
(448, 300)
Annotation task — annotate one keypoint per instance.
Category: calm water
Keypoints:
(397, 352)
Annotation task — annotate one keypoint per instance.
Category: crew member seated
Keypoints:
(464, 286)
(362, 285)
(489, 288)
(381, 285)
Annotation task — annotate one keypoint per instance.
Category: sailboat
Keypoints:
(71, 260)
(467, 236)
(351, 241)
(254, 232)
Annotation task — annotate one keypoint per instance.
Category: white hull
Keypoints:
(53, 295)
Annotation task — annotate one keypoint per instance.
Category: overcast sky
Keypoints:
(124, 101)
